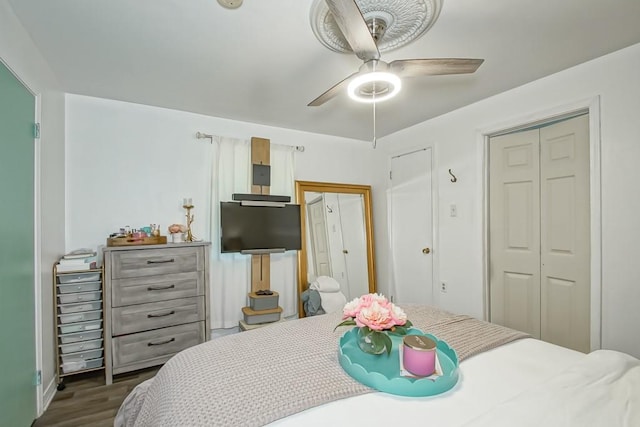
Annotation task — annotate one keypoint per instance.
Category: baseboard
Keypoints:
(49, 394)
(217, 333)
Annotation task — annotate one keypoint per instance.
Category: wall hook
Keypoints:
(453, 177)
(329, 209)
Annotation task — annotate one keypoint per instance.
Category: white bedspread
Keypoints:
(523, 383)
(602, 389)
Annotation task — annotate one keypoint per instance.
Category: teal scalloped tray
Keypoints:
(382, 372)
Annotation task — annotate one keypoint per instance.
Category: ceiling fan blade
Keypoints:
(434, 66)
(354, 28)
(332, 92)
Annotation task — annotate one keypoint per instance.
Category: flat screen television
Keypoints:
(259, 228)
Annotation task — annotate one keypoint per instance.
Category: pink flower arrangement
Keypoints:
(375, 315)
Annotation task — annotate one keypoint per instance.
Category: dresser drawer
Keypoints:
(143, 317)
(154, 347)
(152, 262)
(139, 290)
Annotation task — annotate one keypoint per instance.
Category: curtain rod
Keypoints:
(201, 135)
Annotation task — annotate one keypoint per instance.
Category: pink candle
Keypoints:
(419, 355)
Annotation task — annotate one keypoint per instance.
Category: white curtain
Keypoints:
(231, 272)
(284, 265)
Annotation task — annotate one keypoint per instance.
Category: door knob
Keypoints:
(344, 251)
(426, 251)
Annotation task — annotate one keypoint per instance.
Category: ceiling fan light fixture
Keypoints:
(373, 87)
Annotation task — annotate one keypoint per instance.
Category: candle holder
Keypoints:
(188, 206)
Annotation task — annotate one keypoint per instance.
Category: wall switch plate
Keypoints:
(453, 210)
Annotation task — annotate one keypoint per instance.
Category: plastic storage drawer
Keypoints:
(79, 297)
(82, 316)
(80, 327)
(80, 336)
(89, 276)
(78, 307)
(80, 365)
(79, 287)
(81, 346)
(81, 355)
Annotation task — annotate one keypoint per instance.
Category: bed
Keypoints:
(287, 374)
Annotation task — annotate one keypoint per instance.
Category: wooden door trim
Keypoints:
(592, 107)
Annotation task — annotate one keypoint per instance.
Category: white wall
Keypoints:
(615, 78)
(130, 164)
(19, 53)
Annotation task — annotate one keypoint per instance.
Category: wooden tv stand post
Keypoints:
(260, 263)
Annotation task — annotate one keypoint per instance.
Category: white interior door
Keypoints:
(515, 231)
(318, 237)
(411, 227)
(335, 240)
(354, 242)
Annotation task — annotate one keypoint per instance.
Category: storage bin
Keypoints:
(263, 302)
(79, 287)
(78, 307)
(252, 317)
(80, 336)
(80, 327)
(80, 317)
(81, 355)
(81, 346)
(89, 276)
(79, 297)
(80, 365)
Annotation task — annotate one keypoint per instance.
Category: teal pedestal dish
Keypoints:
(382, 372)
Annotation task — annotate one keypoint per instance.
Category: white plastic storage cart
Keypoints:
(78, 320)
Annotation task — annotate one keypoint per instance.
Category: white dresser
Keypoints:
(156, 303)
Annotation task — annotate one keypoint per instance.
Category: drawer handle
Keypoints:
(149, 344)
(160, 261)
(162, 315)
(160, 288)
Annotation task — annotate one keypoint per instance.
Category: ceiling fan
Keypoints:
(377, 80)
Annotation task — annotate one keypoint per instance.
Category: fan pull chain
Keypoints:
(375, 140)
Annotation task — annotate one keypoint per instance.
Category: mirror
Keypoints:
(337, 237)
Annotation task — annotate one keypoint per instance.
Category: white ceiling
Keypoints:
(261, 63)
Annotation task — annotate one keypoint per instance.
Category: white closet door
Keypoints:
(565, 227)
(540, 232)
(515, 231)
(411, 221)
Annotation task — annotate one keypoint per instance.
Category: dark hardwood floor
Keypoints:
(87, 401)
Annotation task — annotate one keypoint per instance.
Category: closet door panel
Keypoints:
(515, 231)
(565, 230)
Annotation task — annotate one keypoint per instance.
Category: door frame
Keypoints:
(592, 107)
(435, 253)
